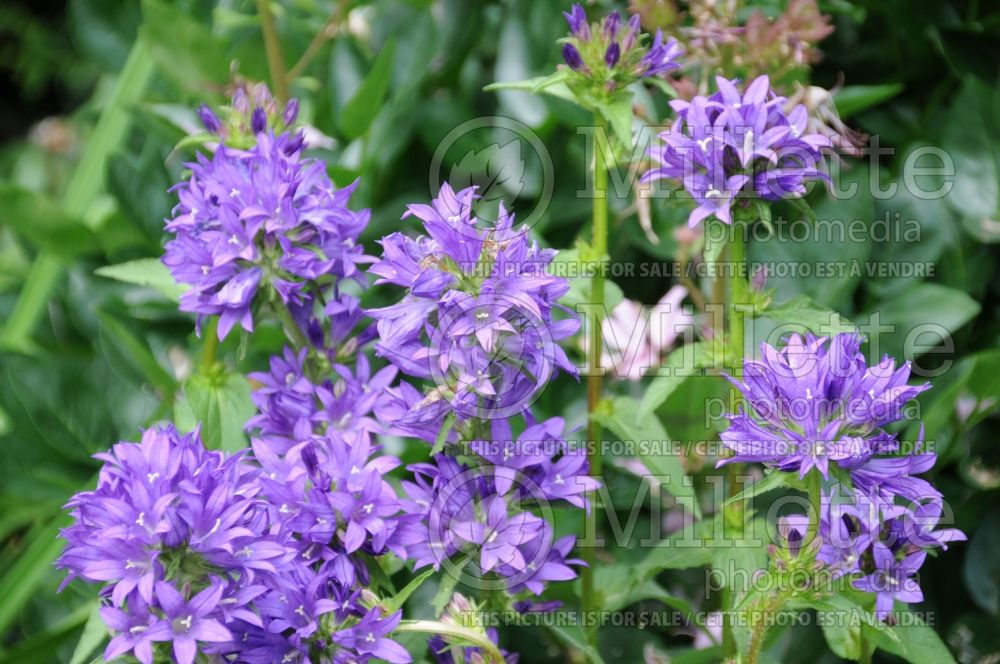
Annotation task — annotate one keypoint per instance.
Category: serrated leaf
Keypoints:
(145, 272)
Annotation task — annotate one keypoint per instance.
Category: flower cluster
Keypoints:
(482, 512)
(262, 226)
(292, 406)
(246, 559)
(815, 406)
(735, 144)
(478, 318)
(613, 55)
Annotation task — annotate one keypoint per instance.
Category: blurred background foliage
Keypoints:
(99, 97)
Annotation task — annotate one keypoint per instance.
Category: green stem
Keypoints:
(292, 331)
(738, 299)
(759, 631)
(456, 631)
(600, 247)
(814, 484)
(866, 651)
(211, 348)
(272, 46)
(734, 285)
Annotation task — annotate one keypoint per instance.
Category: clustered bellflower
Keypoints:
(737, 145)
(480, 317)
(248, 559)
(613, 55)
(479, 321)
(259, 226)
(816, 406)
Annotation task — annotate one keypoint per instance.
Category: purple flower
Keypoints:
(611, 58)
(368, 638)
(816, 402)
(479, 317)
(572, 57)
(191, 621)
(134, 631)
(893, 579)
(209, 119)
(260, 218)
(732, 144)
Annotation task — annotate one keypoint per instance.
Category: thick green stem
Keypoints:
(737, 295)
(454, 631)
(731, 267)
(600, 247)
(272, 46)
(759, 631)
(866, 651)
(211, 348)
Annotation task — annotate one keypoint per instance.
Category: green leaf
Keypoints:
(967, 138)
(576, 639)
(83, 187)
(43, 647)
(852, 99)
(774, 479)
(648, 435)
(21, 578)
(182, 46)
(360, 111)
(42, 222)
(682, 363)
(802, 312)
(126, 343)
(396, 602)
(618, 113)
(221, 404)
(446, 586)
(682, 551)
(576, 267)
(94, 635)
(922, 317)
(145, 272)
(554, 84)
(915, 642)
(843, 637)
(982, 565)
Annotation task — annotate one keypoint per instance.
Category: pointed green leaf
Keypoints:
(360, 110)
(145, 272)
